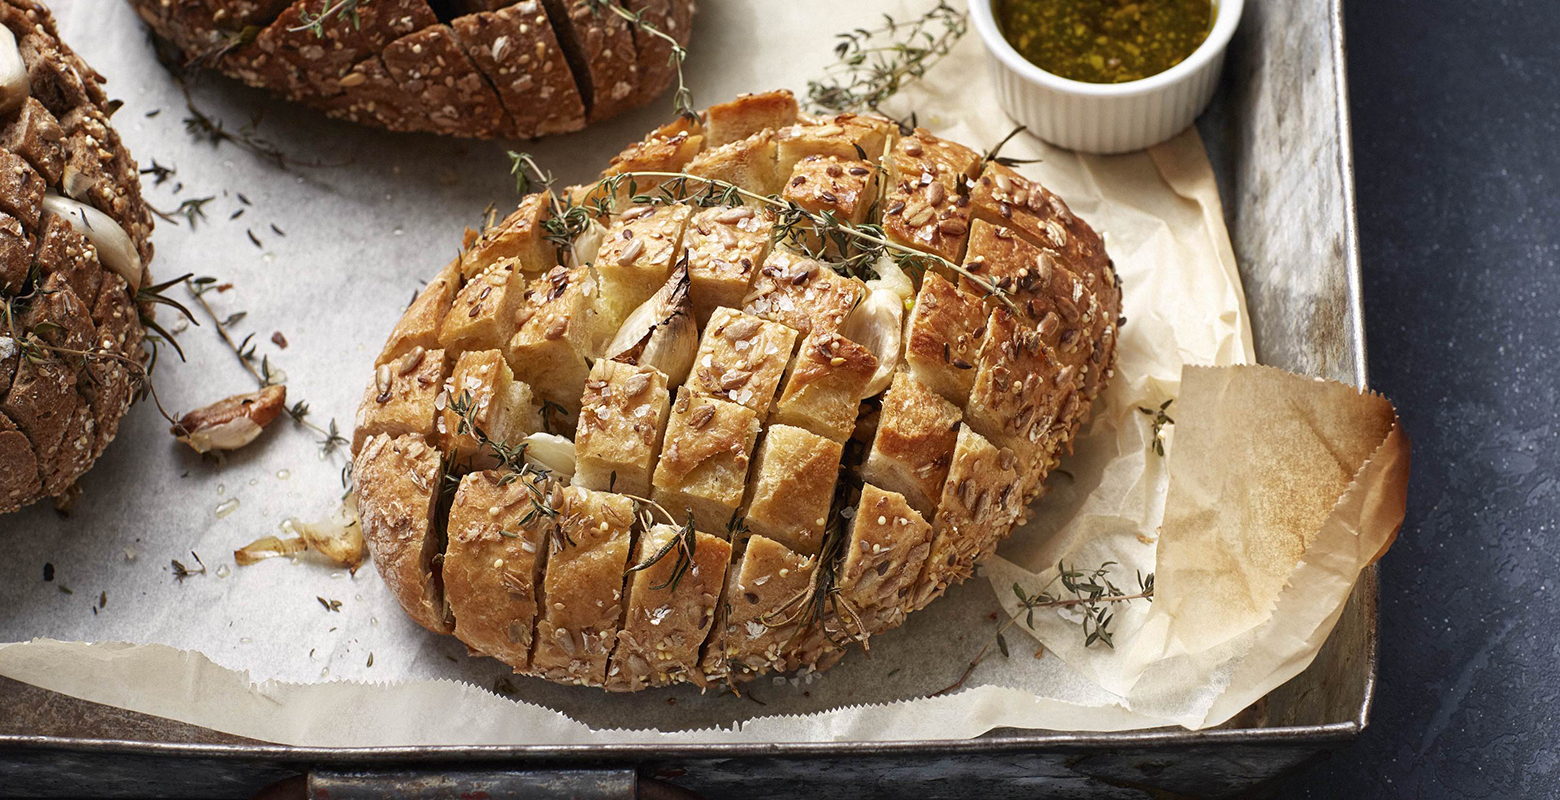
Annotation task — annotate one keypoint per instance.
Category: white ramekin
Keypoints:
(1106, 117)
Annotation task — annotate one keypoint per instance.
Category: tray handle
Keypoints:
(493, 784)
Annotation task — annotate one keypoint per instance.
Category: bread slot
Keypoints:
(924, 205)
(41, 401)
(889, 543)
(583, 589)
(521, 236)
(482, 396)
(397, 482)
(556, 340)
(845, 136)
(623, 415)
(64, 251)
(518, 51)
(453, 94)
(600, 50)
(793, 485)
(943, 338)
(752, 164)
(845, 189)
(763, 612)
(725, 248)
(824, 386)
(671, 607)
(704, 459)
(305, 62)
(980, 505)
(1023, 397)
(419, 325)
(657, 65)
(482, 316)
(801, 293)
(494, 563)
(402, 398)
(369, 95)
(913, 445)
(636, 258)
(118, 331)
(749, 114)
(741, 358)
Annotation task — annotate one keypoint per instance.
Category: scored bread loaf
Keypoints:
(793, 457)
(74, 250)
(515, 69)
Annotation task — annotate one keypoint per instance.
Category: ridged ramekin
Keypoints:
(1106, 117)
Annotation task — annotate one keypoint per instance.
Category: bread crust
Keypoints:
(622, 419)
(725, 248)
(741, 359)
(494, 563)
(668, 616)
(704, 461)
(397, 482)
(792, 488)
(583, 590)
(824, 385)
(913, 448)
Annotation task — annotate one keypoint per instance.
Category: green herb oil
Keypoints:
(1105, 41)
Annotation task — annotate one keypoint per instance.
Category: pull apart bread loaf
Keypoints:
(74, 245)
(474, 68)
(697, 421)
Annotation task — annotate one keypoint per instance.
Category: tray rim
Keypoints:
(1326, 734)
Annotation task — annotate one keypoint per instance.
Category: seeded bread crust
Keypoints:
(58, 408)
(497, 69)
(702, 514)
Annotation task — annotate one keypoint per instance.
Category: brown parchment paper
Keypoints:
(250, 651)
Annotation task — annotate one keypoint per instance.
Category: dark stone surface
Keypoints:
(1457, 135)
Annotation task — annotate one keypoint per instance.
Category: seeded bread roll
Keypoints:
(74, 252)
(795, 465)
(472, 68)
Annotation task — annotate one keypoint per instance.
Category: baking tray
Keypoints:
(1279, 139)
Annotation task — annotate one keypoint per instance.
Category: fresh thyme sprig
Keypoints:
(1161, 419)
(1090, 590)
(682, 99)
(875, 63)
(791, 223)
(203, 127)
(192, 209)
(683, 544)
(511, 460)
(262, 371)
(341, 9)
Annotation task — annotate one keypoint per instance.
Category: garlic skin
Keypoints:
(661, 332)
(229, 435)
(586, 245)
(877, 323)
(551, 452)
(14, 86)
(114, 247)
(232, 422)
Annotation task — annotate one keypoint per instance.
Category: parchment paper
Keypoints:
(359, 239)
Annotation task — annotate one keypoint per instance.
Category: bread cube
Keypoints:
(889, 542)
(419, 325)
(636, 259)
(619, 434)
(582, 594)
(397, 482)
(844, 187)
(520, 236)
(980, 505)
(802, 294)
(482, 393)
(482, 316)
(666, 150)
(401, 399)
(942, 340)
(913, 446)
(34, 134)
(741, 358)
(793, 487)
(924, 211)
(764, 593)
(752, 164)
(553, 348)
(666, 624)
(704, 460)
(747, 115)
(725, 247)
(1021, 389)
(493, 564)
(824, 386)
(940, 156)
(859, 136)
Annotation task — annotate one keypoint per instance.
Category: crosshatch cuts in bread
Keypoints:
(74, 249)
(810, 437)
(473, 68)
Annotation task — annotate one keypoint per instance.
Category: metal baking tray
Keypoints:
(1278, 135)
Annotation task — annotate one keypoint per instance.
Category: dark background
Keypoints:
(1457, 159)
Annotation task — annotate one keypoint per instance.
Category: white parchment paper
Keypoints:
(254, 650)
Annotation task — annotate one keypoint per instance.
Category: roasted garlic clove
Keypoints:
(586, 245)
(551, 452)
(892, 277)
(230, 423)
(114, 247)
(14, 86)
(661, 332)
(877, 323)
